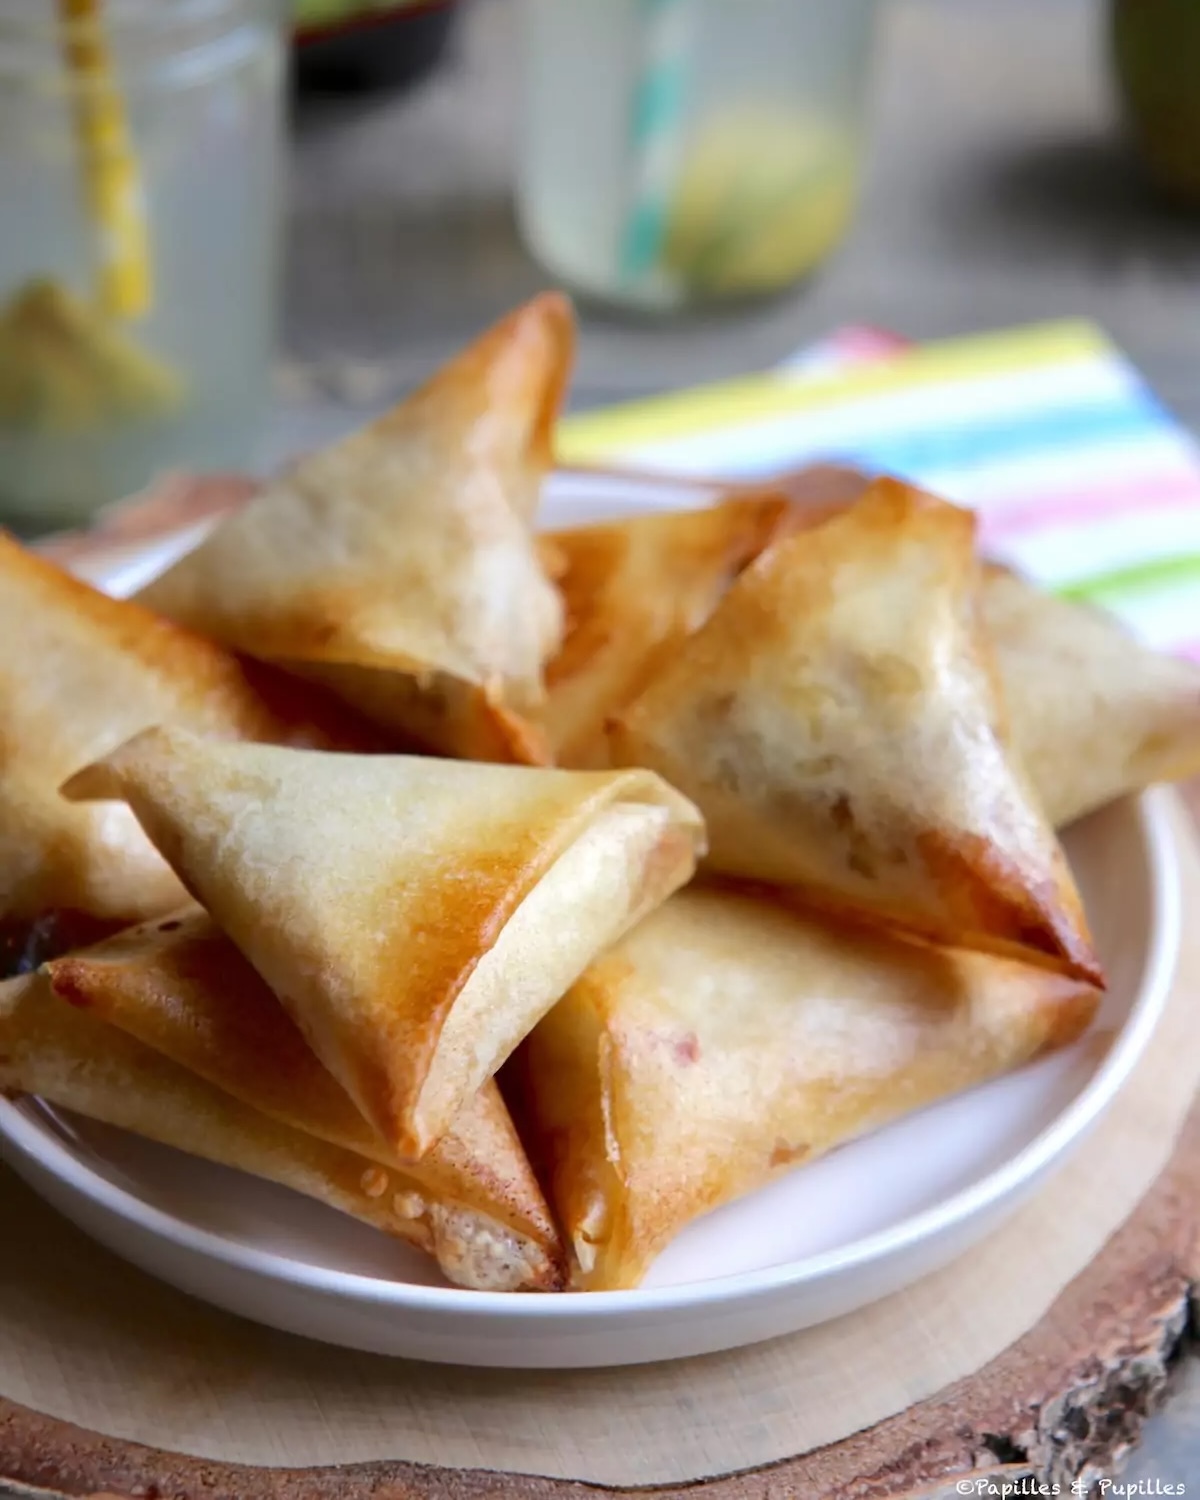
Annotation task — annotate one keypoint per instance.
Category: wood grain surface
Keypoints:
(997, 193)
(1063, 1405)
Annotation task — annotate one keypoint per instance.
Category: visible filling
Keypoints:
(480, 1254)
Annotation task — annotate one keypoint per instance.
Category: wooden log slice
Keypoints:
(1066, 1401)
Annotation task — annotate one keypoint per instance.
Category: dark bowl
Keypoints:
(375, 51)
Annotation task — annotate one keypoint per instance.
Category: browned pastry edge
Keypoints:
(1074, 1391)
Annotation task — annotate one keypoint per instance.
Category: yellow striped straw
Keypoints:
(112, 183)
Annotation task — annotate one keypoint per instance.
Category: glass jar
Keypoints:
(689, 151)
(140, 156)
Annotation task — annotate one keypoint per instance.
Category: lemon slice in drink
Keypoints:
(762, 196)
(64, 367)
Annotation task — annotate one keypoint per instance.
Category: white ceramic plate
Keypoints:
(869, 1219)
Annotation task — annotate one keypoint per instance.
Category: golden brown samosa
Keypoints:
(398, 566)
(838, 723)
(80, 673)
(1093, 713)
(633, 590)
(415, 916)
(76, 1061)
(635, 587)
(728, 1038)
(180, 987)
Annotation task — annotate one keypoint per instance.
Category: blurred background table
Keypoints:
(997, 193)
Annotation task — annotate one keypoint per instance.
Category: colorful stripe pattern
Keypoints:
(1080, 477)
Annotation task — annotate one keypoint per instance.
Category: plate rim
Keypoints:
(23, 1136)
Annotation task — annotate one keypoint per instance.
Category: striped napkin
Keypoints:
(1080, 477)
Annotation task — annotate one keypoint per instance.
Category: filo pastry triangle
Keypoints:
(633, 590)
(1093, 713)
(398, 566)
(75, 1060)
(837, 721)
(180, 987)
(415, 916)
(728, 1038)
(79, 674)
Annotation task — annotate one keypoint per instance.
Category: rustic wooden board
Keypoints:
(1067, 1399)
(994, 221)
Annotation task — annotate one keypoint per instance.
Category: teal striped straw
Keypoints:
(656, 135)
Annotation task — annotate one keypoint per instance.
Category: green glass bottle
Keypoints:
(1156, 57)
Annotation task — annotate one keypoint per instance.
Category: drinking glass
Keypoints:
(675, 152)
(140, 161)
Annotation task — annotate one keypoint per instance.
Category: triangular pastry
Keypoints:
(398, 566)
(415, 916)
(838, 723)
(1092, 712)
(634, 589)
(79, 674)
(727, 1039)
(180, 987)
(76, 1061)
